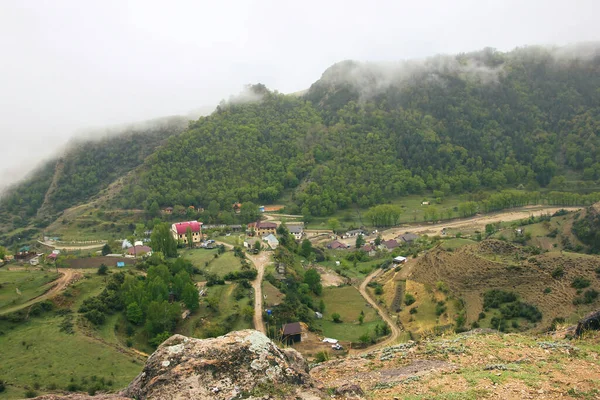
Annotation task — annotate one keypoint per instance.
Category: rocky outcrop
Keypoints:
(589, 322)
(240, 365)
(243, 364)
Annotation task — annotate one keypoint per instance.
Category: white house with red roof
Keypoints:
(179, 231)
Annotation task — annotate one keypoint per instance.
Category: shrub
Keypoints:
(481, 315)
(2, 386)
(378, 290)
(440, 308)
(494, 298)
(413, 310)
(409, 299)
(589, 296)
(30, 393)
(102, 269)
(558, 272)
(580, 282)
(547, 290)
(335, 317)
(322, 356)
(95, 317)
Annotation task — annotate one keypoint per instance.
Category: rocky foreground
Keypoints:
(473, 365)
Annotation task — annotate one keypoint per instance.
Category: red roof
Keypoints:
(181, 227)
(391, 244)
(138, 250)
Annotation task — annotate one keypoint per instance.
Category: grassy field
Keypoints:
(221, 265)
(36, 354)
(347, 268)
(347, 302)
(18, 287)
(274, 296)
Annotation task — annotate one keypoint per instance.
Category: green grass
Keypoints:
(347, 268)
(273, 294)
(36, 352)
(198, 256)
(221, 265)
(31, 284)
(347, 302)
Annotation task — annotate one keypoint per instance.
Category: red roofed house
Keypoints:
(335, 245)
(139, 250)
(179, 231)
(263, 228)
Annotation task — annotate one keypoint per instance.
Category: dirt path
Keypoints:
(58, 285)
(56, 245)
(260, 261)
(395, 329)
(475, 222)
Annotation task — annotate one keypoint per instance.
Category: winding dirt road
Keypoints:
(392, 324)
(57, 286)
(260, 261)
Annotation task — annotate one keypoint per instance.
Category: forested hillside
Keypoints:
(87, 167)
(366, 133)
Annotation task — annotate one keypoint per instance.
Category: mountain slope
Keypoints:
(364, 134)
(85, 168)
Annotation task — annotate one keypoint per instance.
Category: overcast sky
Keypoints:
(72, 64)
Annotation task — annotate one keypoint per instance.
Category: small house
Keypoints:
(400, 260)
(297, 231)
(369, 249)
(139, 250)
(168, 210)
(291, 333)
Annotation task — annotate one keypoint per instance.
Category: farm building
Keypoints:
(271, 240)
(408, 238)
(139, 250)
(354, 233)
(389, 244)
(179, 231)
(291, 333)
(399, 260)
(335, 245)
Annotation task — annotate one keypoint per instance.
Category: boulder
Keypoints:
(241, 364)
(589, 322)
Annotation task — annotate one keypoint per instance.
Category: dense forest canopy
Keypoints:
(367, 133)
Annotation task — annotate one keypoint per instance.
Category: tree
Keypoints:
(322, 306)
(154, 209)
(378, 240)
(102, 269)
(313, 279)
(333, 224)
(360, 241)
(189, 237)
(306, 248)
(191, 297)
(249, 212)
(162, 240)
(335, 317)
(365, 338)
(361, 319)
(134, 313)
(105, 249)
(257, 245)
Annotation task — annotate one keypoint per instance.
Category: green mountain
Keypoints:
(366, 133)
(85, 168)
(363, 134)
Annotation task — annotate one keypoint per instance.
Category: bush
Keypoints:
(558, 272)
(322, 356)
(481, 315)
(95, 317)
(580, 282)
(494, 298)
(547, 290)
(30, 393)
(413, 310)
(409, 299)
(440, 308)
(335, 317)
(102, 269)
(2, 386)
(589, 296)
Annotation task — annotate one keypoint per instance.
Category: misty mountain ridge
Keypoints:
(364, 133)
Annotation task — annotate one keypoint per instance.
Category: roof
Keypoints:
(296, 228)
(271, 238)
(336, 245)
(390, 244)
(292, 329)
(138, 250)
(52, 256)
(360, 231)
(181, 227)
(399, 259)
(409, 237)
(24, 249)
(120, 263)
(368, 248)
(266, 225)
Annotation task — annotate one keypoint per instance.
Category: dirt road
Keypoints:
(392, 324)
(56, 286)
(476, 222)
(260, 261)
